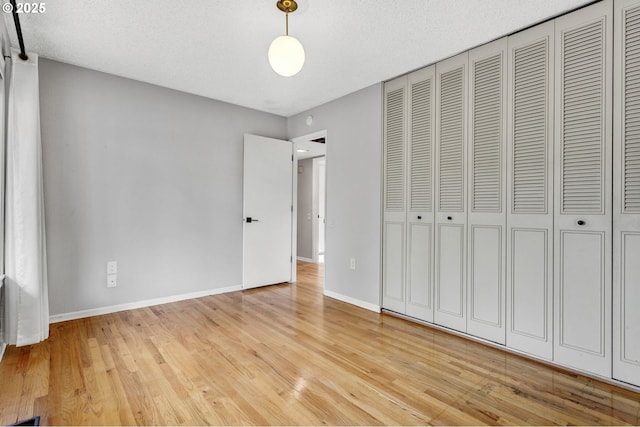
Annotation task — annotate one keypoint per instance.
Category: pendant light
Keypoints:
(286, 54)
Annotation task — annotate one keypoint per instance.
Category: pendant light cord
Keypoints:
(287, 27)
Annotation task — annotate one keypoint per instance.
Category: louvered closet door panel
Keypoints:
(487, 199)
(626, 190)
(421, 136)
(582, 220)
(394, 205)
(451, 214)
(529, 264)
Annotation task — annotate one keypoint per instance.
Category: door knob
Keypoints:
(581, 222)
(419, 217)
(449, 218)
(249, 219)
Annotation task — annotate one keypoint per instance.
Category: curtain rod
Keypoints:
(16, 20)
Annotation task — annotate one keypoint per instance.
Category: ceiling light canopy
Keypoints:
(286, 54)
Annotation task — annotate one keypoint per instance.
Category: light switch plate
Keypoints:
(112, 267)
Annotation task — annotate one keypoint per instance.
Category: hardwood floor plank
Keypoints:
(287, 355)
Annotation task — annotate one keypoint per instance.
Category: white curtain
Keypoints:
(25, 251)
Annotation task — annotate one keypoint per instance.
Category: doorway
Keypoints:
(310, 197)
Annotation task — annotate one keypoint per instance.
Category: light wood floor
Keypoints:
(287, 355)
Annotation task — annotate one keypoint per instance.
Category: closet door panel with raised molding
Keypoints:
(394, 204)
(626, 190)
(529, 265)
(487, 202)
(451, 193)
(583, 193)
(421, 136)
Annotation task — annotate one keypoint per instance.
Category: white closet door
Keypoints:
(487, 201)
(582, 230)
(530, 191)
(421, 135)
(451, 214)
(626, 193)
(393, 235)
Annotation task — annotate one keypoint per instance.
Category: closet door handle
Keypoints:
(419, 217)
(449, 218)
(581, 222)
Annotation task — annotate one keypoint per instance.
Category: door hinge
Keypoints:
(292, 157)
(291, 258)
(291, 208)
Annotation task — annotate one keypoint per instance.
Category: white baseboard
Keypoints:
(301, 258)
(139, 304)
(353, 301)
(3, 347)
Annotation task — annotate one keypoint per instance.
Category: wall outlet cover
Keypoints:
(112, 281)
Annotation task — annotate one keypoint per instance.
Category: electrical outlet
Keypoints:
(112, 280)
(352, 263)
(112, 267)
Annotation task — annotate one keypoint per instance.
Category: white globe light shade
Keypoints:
(286, 55)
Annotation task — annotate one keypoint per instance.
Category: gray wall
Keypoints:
(143, 175)
(354, 139)
(305, 208)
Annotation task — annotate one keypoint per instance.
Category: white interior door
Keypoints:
(626, 194)
(451, 193)
(421, 136)
(487, 175)
(267, 211)
(582, 220)
(322, 199)
(530, 191)
(394, 216)
(319, 210)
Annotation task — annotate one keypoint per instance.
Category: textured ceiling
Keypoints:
(218, 49)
